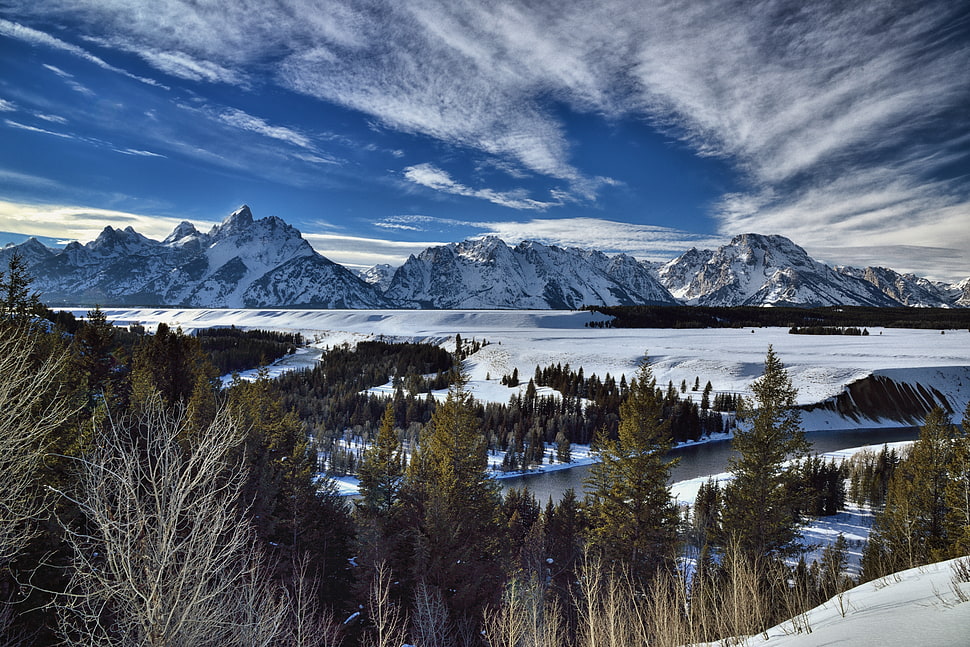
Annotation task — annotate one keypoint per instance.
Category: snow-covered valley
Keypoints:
(821, 366)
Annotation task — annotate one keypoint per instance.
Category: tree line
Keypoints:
(782, 317)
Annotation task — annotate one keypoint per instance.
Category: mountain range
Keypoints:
(266, 263)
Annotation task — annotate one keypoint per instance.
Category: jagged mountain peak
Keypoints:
(183, 230)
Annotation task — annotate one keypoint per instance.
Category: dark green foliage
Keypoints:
(632, 519)
(869, 475)
(16, 298)
(820, 487)
(915, 527)
(827, 330)
(761, 502)
(232, 350)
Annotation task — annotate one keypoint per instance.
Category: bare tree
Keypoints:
(30, 408)
(164, 558)
(387, 620)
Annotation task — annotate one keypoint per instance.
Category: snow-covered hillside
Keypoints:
(821, 366)
(925, 606)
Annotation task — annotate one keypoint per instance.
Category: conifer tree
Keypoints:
(16, 299)
(912, 529)
(632, 518)
(460, 549)
(381, 471)
(760, 509)
(958, 492)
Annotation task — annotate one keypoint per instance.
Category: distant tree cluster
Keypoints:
(828, 330)
(781, 317)
(232, 350)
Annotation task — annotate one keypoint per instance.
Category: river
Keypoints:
(707, 458)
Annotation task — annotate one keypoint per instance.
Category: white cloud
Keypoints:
(36, 37)
(137, 152)
(7, 106)
(35, 129)
(244, 121)
(57, 119)
(432, 177)
(360, 252)
(81, 223)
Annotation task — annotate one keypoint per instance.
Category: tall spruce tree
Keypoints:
(632, 519)
(958, 492)
(912, 529)
(760, 505)
(460, 548)
(381, 470)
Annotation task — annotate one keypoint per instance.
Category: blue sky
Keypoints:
(378, 128)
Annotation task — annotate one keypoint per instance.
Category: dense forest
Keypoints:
(784, 317)
(141, 503)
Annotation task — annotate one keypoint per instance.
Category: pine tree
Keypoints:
(958, 492)
(381, 471)
(912, 529)
(460, 548)
(759, 503)
(16, 299)
(631, 515)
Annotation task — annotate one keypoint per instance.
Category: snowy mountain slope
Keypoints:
(907, 289)
(487, 273)
(764, 270)
(32, 251)
(964, 287)
(241, 262)
(379, 276)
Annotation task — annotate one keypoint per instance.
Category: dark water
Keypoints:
(709, 458)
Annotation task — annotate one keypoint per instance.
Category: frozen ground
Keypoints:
(922, 606)
(730, 358)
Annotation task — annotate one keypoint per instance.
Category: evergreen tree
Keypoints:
(16, 299)
(958, 492)
(381, 470)
(460, 548)
(632, 518)
(760, 507)
(912, 529)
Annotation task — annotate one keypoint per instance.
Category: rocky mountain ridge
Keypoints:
(266, 263)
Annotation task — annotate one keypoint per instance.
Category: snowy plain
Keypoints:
(820, 366)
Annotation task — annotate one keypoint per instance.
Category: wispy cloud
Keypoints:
(81, 223)
(244, 121)
(432, 177)
(7, 106)
(137, 152)
(35, 129)
(56, 119)
(36, 37)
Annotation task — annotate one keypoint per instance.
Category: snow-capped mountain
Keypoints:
(964, 298)
(241, 262)
(764, 270)
(379, 276)
(32, 251)
(907, 289)
(487, 273)
(266, 263)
